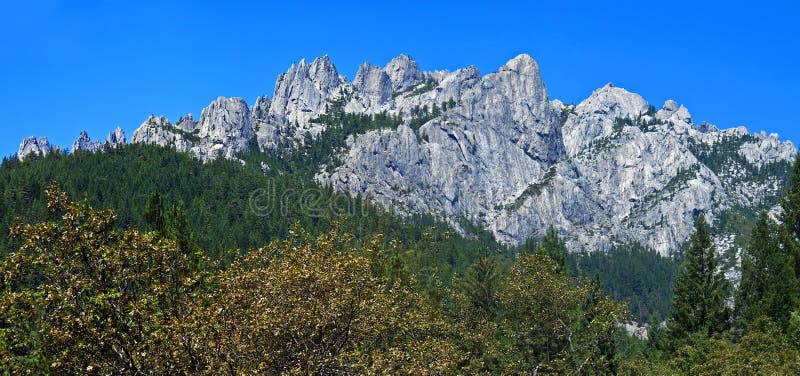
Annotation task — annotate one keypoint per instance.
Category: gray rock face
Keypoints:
(268, 132)
(159, 131)
(678, 116)
(116, 138)
(504, 132)
(225, 128)
(595, 116)
(187, 124)
(303, 93)
(403, 72)
(373, 84)
(607, 171)
(260, 110)
(441, 87)
(33, 146)
(764, 150)
(84, 143)
(616, 172)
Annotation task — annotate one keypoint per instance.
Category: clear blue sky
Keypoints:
(70, 65)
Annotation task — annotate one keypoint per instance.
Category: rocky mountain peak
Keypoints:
(223, 118)
(373, 84)
(609, 170)
(160, 121)
(613, 101)
(516, 81)
(157, 130)
(514, 101)
(677, 115)
(116, 138)
(595, 117)
(522, 64)
(187, 123)
(501, 129)
(324, 74)
(301, 94)
(33, 146)
(85, 143)
(763, 149)
(670, 106)
(260, 109)
(403, 72)
(224, 129)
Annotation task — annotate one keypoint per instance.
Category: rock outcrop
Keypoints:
(303, 93)
(157, 130)
(116, 138)
(595, 116)
(187, 124)
(496, 151)
(616, 172)
(85, 143)
(373, 84)
(502, 136)
(34, 146)
(761, 150)
(225, 128)
(403, 72)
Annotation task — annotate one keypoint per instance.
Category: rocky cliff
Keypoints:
(33, 146)
(225, 128)
(496, 151)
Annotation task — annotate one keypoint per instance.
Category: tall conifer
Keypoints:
(700, 291)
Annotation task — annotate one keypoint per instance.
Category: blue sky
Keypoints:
(70, 65)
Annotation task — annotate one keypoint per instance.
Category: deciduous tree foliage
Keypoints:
(764, 350)
(319, 307)
(81, 297)
(551, 324)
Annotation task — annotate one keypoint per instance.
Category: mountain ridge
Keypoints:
(495, 150)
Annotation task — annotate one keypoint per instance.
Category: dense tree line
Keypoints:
(639, 276)
(754, 330)
(227, 206)
(81, 296)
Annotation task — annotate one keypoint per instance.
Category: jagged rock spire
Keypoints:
(373, 83)
(302, 93)
(116, 138)
(85, 143)
(33, 146)
(403, 71)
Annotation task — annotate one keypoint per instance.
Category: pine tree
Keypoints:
(790, 218)
(769, 286)
(178, 229)
(155, 213)
(700, 291)
(552, 247)
(481, 282)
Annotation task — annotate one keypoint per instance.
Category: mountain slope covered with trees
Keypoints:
(150, 285)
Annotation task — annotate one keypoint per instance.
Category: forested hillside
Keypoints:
(229, 208)
(250, 267)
